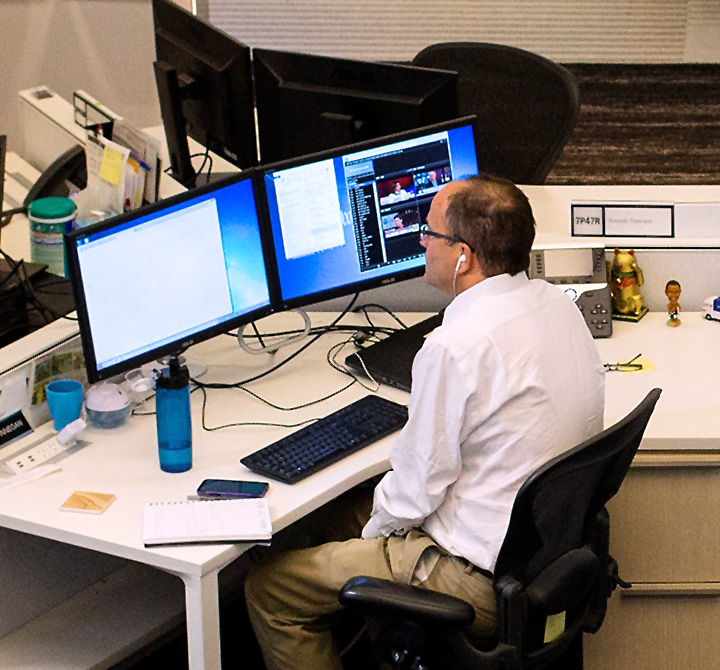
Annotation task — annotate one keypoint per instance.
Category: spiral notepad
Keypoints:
(206, 522)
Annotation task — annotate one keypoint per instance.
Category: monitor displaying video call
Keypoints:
(349, 219)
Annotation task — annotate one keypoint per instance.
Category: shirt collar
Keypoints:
(491, 286)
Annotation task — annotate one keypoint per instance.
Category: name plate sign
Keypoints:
(623, 220)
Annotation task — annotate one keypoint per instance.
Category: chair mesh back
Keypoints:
(554, 509)
(526, 105)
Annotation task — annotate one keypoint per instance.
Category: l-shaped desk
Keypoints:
(683, 434)
(124, 460)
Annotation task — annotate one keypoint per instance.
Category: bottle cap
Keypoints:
(52, 208)
(174, 377)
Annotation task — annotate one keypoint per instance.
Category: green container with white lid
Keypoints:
(50, 219)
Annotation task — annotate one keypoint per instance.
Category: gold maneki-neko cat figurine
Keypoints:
(625, 279)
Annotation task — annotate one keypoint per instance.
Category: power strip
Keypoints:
(37, 455)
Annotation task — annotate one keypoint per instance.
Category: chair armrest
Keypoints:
(381, 597)
(564, 582)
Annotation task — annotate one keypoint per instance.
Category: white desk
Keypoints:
(685, 358)
(124, 461)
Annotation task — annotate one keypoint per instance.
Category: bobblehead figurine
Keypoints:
(672, 291)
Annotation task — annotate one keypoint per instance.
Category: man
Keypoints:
(510, 380)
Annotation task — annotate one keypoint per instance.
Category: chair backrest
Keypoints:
(555, 507)
(526, 104)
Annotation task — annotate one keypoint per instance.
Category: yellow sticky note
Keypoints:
(647, 366)
(112, 166)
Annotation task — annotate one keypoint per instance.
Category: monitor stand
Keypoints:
(267, 347)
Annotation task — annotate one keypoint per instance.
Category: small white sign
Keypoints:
(636, 221)
(587, 220)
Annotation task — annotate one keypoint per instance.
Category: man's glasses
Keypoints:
(630, 366)
(426, 232)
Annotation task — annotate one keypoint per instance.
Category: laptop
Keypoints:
(390, 360)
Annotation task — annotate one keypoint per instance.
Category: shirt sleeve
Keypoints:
(425, 458)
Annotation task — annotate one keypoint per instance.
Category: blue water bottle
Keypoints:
(174, 428)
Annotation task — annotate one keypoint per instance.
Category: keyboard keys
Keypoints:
(326, 441)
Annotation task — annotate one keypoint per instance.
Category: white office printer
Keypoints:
(580, 271)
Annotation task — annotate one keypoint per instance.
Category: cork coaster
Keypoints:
(86, 501)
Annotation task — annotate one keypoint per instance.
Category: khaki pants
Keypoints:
(292, 597)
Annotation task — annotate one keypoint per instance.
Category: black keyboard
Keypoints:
(326, 441)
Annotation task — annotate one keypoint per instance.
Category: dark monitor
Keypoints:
(307, 103)
(152, 282)
(348, 219)
(204, 81)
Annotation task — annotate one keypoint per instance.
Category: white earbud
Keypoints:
(461, 260)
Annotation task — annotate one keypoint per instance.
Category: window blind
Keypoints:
(563, 30)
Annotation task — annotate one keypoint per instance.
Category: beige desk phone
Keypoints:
(581, 273)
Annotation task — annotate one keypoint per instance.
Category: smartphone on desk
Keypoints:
(231, 488)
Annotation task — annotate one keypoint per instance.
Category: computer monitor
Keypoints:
(204, 81)
(347, 220)
(152, 282)
(308, 103)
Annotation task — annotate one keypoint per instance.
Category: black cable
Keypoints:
(217, 385)
(207, 158)
(33, 301)
(47, 312)
(258, 335)
(273, 406)
(370, 330)
(303, 405)
(364, 310)
(244, 423)
(14, 272)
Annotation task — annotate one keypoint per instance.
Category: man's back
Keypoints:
(511, 379)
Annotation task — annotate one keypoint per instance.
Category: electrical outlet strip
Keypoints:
(34, 456)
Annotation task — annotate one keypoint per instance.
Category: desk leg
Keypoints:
(203, 621)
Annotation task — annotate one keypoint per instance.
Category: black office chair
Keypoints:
(526, 104)
(554, 563)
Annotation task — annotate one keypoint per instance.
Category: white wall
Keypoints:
(104, 47)
(615, 31)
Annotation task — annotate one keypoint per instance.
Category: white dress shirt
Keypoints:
(510, 380)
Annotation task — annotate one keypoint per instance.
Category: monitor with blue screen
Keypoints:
(152, 282)
(348, 219)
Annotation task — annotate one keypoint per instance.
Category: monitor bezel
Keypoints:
(364, 284)
(182, 343)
